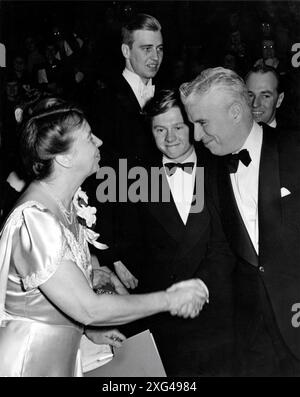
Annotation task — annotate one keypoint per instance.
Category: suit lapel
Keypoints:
(196, 212)
(169, 217)
(233, 222)
(269, 207)
(165, 210)
(127, 98)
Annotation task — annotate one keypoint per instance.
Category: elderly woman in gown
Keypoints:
(47, 299)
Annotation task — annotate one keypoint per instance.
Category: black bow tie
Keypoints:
(172, 167)
(232, 160)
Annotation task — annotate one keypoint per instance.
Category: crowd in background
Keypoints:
(76, 57)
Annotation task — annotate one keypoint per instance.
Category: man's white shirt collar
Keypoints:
(142, 92)
(253, 144)
(181, 185)
(273, 124)
(245, 184)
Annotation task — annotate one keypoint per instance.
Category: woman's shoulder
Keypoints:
(31, 212)
(33, 201)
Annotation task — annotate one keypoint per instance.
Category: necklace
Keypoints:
(69, 215)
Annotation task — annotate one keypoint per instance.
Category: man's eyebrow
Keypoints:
(267, 92)
(199, 121)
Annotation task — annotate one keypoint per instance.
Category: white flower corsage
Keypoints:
(87, 218)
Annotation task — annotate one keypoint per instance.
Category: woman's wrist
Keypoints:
(167, 300)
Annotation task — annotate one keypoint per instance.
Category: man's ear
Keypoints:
(279, 100)
(235, 111)
(125, 50)
(64, 160)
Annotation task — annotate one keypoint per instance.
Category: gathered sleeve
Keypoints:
(40, 246)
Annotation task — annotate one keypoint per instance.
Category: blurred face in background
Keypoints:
(12, 90)
(19, 64)
(268, 49)
(50, 53)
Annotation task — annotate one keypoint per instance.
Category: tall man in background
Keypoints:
(118, 116)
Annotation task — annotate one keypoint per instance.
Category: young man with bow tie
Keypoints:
(261, 220)
(119, 121)
(179, 235)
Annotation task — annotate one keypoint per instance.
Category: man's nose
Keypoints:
(170, 137)
(154, 54)
(256, 102)
(198, 132)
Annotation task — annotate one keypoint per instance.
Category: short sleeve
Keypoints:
(39, 247)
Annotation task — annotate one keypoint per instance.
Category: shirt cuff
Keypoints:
(205, 289)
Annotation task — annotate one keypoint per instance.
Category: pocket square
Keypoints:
(284, 192)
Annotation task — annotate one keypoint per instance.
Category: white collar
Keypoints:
(191, 158)
(273, 124)
(253, 142)
(137, 85)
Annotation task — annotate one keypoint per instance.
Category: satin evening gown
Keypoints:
(36, 337)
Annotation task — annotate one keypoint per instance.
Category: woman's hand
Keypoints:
(187, 298)
(104, 276)
(125, 276)
(102, 336)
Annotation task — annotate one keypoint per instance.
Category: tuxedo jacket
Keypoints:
(267, 283)
(117, 119)
(120, 123)
(160, 250)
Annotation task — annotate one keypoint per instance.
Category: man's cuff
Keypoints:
(205, 289)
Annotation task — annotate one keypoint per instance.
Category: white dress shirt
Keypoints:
(142, 92)
(245, 184)
(273, 124)
(181, 184)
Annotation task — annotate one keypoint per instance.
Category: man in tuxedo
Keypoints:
(121, 125)
(118, 120)
(177, 235)
(257, 186)
(265, 92)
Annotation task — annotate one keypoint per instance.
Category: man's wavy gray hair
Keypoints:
(219, 77)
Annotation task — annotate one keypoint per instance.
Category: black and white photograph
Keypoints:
(149, 191)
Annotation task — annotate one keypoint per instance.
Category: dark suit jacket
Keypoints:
(161, 250)
(117, 119)
(275, 273)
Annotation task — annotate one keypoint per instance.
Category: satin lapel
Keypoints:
(196, 215)
(233, 223)
(166, 212)
(269, 207)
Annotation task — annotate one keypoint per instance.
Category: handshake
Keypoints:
(186, 298)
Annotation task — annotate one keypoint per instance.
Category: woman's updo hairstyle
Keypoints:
(46, 133)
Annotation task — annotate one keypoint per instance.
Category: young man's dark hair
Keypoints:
(138, 22)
